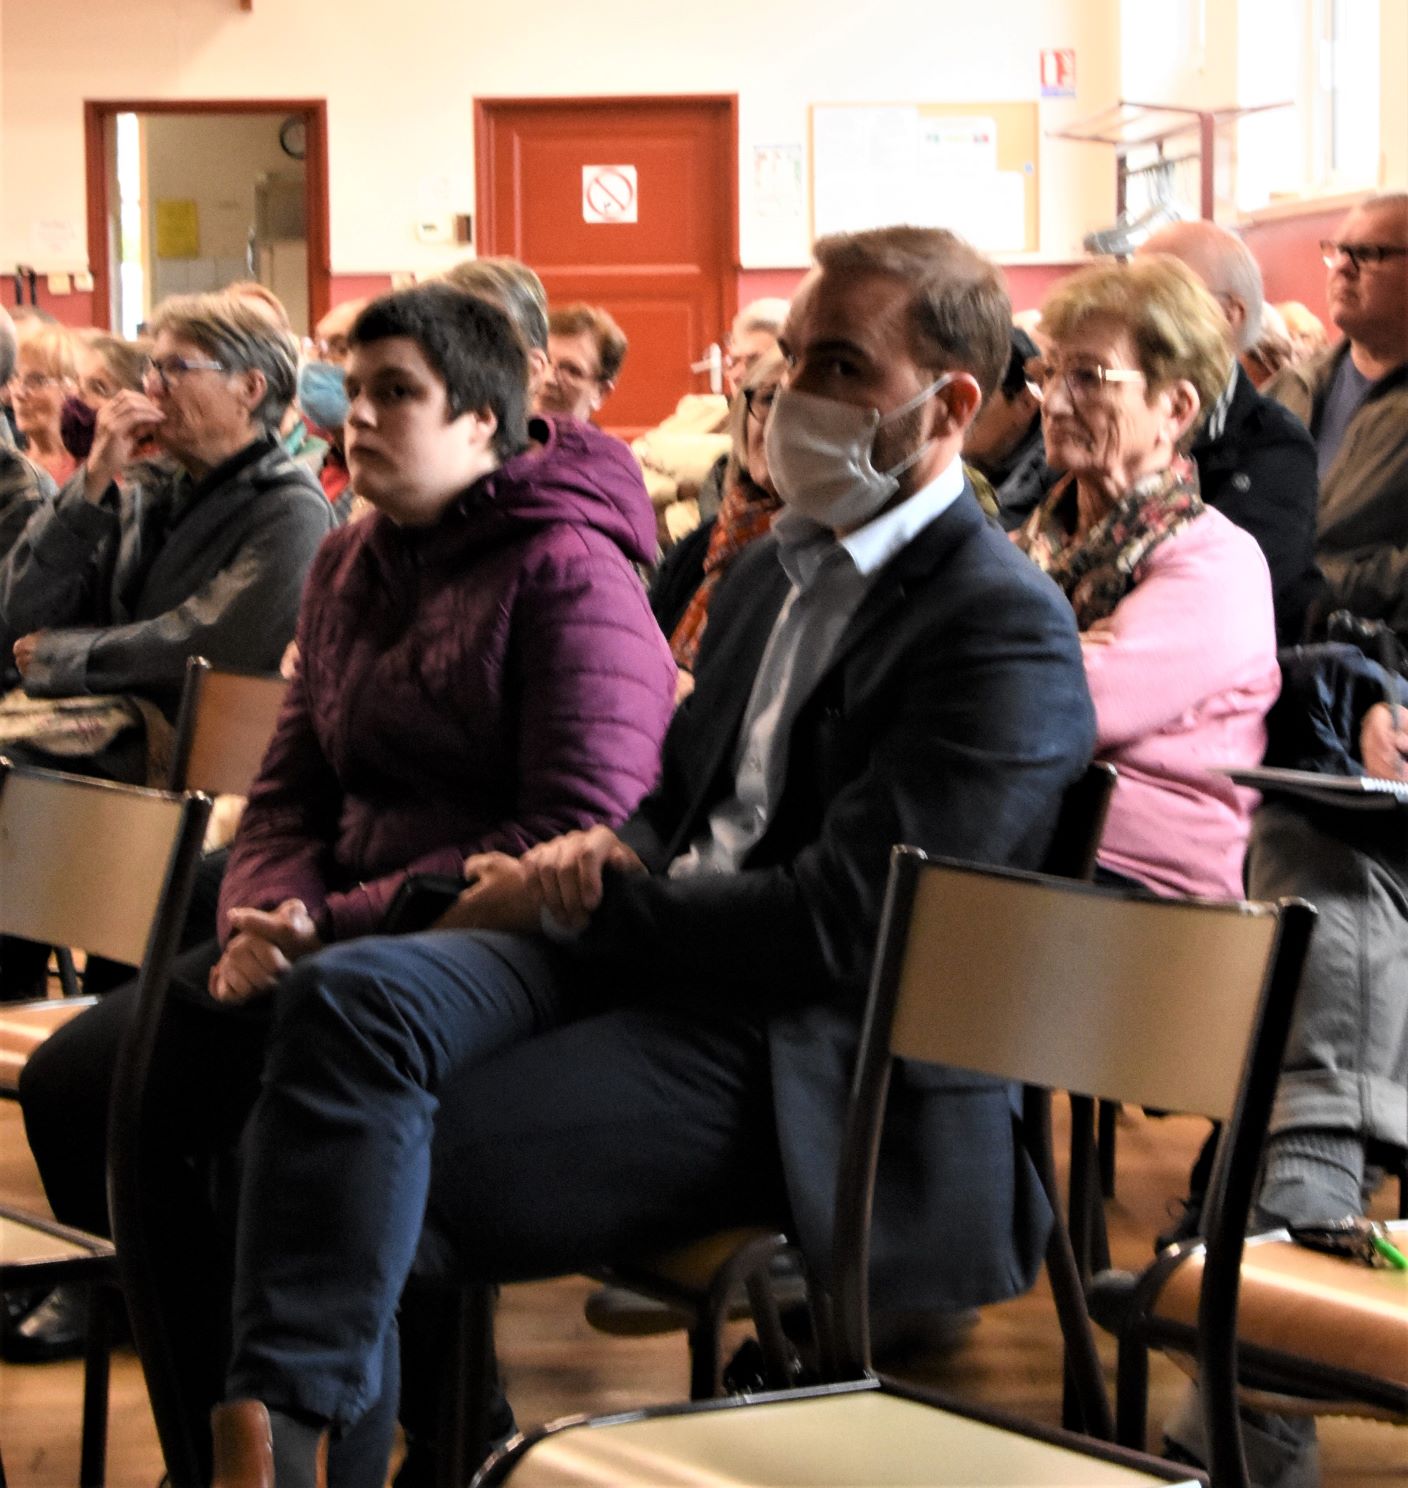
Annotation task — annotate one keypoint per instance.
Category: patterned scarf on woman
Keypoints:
(1096, 572)
(745, 514)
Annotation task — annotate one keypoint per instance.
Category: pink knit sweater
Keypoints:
(1185, 684)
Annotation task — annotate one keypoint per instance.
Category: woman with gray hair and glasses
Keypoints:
(203, 552)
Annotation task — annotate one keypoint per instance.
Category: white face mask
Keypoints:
(819, 455)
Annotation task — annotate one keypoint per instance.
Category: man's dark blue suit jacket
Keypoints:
(952, 715)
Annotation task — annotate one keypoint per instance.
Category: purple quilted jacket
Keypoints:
(485, 683)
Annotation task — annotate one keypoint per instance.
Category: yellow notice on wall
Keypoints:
(177, 229)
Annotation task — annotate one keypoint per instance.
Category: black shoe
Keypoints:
(55, 1329)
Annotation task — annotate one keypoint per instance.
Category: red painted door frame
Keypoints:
(314, 111)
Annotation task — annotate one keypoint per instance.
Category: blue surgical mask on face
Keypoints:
(322, 395)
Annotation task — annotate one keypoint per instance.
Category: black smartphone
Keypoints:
(421, 900)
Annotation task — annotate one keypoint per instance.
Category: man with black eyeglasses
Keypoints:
(1354, 399)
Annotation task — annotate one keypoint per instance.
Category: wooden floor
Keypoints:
(555, 1364)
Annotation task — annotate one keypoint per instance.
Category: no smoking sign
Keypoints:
(609, 194)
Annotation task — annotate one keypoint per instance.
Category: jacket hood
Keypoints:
(576, 474)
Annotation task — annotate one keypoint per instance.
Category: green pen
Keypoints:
(1388, 1250)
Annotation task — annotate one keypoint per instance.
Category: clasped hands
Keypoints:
(562, 877)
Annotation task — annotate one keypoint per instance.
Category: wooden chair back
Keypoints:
(1107, 992)
(84, 862)
(224, 726)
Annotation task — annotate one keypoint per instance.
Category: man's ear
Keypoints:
(1234, 307)
(956, 406)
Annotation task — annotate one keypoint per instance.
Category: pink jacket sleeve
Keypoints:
(1199, 623)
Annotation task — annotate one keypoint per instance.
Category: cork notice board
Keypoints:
(971, 167)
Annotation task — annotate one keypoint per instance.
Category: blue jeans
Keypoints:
(392, 1096)
(364, 1038)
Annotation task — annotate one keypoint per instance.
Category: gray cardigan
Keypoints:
(164, 568)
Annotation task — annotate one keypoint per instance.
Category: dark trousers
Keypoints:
(402, 1085)
(204, 1078)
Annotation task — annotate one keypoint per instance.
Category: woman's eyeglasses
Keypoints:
(758, 401)
(174, 369)
(570, 375)
(1085, 382)
(33, 382)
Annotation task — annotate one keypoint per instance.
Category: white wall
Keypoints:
(400, 80)
(1393, 96)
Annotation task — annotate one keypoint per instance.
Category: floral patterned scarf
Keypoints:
(745, 514)
(1098, 571)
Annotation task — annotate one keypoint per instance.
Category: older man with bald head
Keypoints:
(1256, 462)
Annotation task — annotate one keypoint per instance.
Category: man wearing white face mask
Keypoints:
(884, 667)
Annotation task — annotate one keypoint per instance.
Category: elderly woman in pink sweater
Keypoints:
(1173, 601)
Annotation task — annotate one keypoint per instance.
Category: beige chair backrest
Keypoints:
(83, 862)
(227, 720)
(1151, 1002)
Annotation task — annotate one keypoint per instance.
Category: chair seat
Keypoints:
(25, 1025)
(1300, 1303)
(38, 1250)
(840, 1440)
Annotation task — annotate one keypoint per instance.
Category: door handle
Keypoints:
(713, 364)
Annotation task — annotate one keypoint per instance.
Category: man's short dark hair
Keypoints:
(1024, 350)
(960, 315)
(608, 338)
(471, 344)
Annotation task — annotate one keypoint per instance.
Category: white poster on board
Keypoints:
(873, 166)
(864, 164)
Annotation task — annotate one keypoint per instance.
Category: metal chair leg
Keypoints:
(705, 1356)
(462, 1428)
(1132, 1393)
(1108, 1117)
(93, 1451)
(68, 976)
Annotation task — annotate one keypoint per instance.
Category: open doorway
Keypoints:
(192, 196)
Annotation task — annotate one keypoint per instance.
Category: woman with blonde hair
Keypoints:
(1305, 329)
(45, 374)
(1173, 601)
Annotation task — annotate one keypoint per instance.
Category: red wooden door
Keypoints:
(627, 203)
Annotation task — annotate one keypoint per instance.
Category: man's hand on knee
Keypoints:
(565, 874)
(263, 947)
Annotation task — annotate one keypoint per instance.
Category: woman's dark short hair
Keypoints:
(470, 343)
